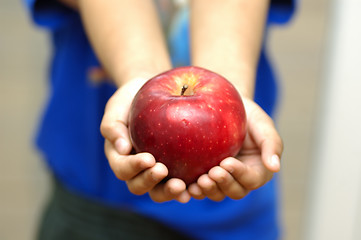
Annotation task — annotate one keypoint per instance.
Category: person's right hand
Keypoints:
(141, 172)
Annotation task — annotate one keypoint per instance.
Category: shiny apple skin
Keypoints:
(190, 134)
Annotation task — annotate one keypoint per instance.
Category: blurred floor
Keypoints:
(296, 50)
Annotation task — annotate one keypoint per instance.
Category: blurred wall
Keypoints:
(334, 206)
(297, 50)
(23, 182)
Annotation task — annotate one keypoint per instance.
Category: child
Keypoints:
(89, 202)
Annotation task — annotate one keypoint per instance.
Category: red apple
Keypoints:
(190, 119)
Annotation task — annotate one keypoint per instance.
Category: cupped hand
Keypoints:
(252, 168)
(141, 172)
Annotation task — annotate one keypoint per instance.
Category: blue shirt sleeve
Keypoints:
(49, 14)
(281, 11)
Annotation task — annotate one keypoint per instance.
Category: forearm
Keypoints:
(126, 37)
(227, 37)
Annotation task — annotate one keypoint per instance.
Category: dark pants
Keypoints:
(72, 217)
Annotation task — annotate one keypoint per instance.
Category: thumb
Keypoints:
(263, 131)
(115, 119)
(114, 125)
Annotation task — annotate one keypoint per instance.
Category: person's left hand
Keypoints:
(254, 166)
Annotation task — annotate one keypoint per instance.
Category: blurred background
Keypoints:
(299, 51)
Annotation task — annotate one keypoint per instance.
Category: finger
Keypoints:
(117, 133)
(184, 197)
(271, 155)
(115, 119)
(125, 167)
(173, 189)
(115, 113)
(234, 166)
(227, 184)
(114, 123)
(147, 180)
(250, 173)
(195, 191)
(117, 107)
(255, 177)
(210, 188)
(262, 130)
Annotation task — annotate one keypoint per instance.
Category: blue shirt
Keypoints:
(72, 145)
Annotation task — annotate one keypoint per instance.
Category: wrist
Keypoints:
(242, 77)
(138, 72)
(244, 82)
(132, 86)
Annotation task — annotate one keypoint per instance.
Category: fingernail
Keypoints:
(274, 161)
(121, 145)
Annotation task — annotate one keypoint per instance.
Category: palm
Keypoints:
(252, 167)
(250, 153)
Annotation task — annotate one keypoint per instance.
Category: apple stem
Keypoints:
(184, 88)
